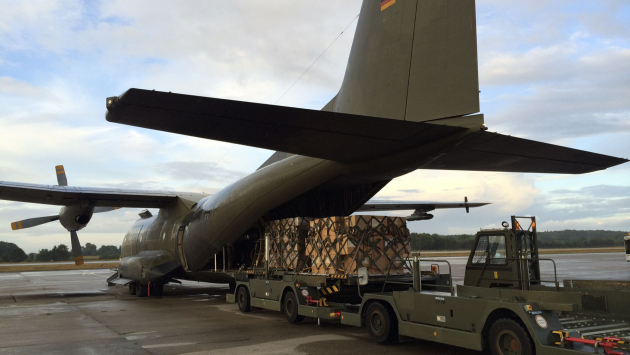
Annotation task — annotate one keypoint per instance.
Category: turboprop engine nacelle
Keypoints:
(419, 216)
(76, 217)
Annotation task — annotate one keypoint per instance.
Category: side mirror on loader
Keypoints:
(363, 276)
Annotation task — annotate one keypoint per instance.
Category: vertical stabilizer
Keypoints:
(412, 60)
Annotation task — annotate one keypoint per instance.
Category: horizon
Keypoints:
(556, 72)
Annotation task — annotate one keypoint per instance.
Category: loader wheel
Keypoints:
(507, 337)
(132, 288)
(242, 297)
(141, 291)
(291, 308)
(381, 323)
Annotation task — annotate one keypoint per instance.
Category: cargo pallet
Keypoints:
(504, 307)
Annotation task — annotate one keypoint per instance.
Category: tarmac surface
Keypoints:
(74, 312)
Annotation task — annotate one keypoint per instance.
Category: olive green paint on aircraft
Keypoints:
(410, 81)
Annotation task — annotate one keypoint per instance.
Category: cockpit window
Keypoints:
(490, 250)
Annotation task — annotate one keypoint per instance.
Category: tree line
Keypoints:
(10, 252)
(568, 239)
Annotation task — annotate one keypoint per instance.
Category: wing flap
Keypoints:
(426, 206)
(100, 197)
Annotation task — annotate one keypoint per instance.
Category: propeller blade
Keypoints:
(76, 249)
(32, 222)
(61, 175)
(105, 209)
(466, 204)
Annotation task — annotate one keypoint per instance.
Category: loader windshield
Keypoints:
(491, 250)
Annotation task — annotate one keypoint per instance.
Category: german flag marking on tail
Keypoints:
(387, 3)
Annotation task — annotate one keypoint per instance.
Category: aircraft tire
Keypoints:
(242, 297)
(132, 288)
(381, 323)
(291, 308)
(508, 336)
(142, 290)
(157, 290)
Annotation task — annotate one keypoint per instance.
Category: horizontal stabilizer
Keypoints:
(485, 151)
(342, 137)
(319, 134)
(99, 197)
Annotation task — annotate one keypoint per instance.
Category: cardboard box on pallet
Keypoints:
(331, 244)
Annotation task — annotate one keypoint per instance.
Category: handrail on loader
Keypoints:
(555, 273)
(407, 260)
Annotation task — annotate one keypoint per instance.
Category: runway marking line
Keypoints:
(165, 345)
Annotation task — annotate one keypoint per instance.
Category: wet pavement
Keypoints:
(74, 312)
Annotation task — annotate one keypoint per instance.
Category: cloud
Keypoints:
(192, 170)
(556, 71)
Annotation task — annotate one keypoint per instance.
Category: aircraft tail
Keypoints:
(412, 60)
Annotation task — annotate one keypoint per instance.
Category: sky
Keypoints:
(554, 71)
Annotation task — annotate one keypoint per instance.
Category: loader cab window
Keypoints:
(490, 250)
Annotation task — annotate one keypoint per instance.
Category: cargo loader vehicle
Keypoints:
(503, 307)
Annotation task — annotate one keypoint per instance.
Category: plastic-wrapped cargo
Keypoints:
(338, 245)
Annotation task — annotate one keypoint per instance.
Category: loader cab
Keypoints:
(506, 258)
(627, 242)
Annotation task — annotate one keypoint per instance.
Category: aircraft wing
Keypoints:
(99, 197)
(343, 137)
(376, 205)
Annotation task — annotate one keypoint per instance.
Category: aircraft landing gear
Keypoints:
(157, 290)
(142, 290)
(132, 288)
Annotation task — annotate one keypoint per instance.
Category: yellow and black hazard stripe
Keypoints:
(16, 225)
(328, 290)
(322, 302)
(338, 276)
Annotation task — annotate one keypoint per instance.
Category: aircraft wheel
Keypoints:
(291, 308)
(142, 290)
(381, 323)
(507, 337)
(157, 290)
(242, 296)
(132, 288)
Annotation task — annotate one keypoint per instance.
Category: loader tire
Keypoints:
(242, 297)
(291, 308)
(508, 337)
(382, 323)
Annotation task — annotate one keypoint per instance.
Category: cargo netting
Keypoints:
(337, 245)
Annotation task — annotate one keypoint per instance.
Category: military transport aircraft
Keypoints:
(409, 100)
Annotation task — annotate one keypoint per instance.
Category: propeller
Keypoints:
(466, 204)
(77, 252)
(32, 222)
(73, 218)
(61, 175)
